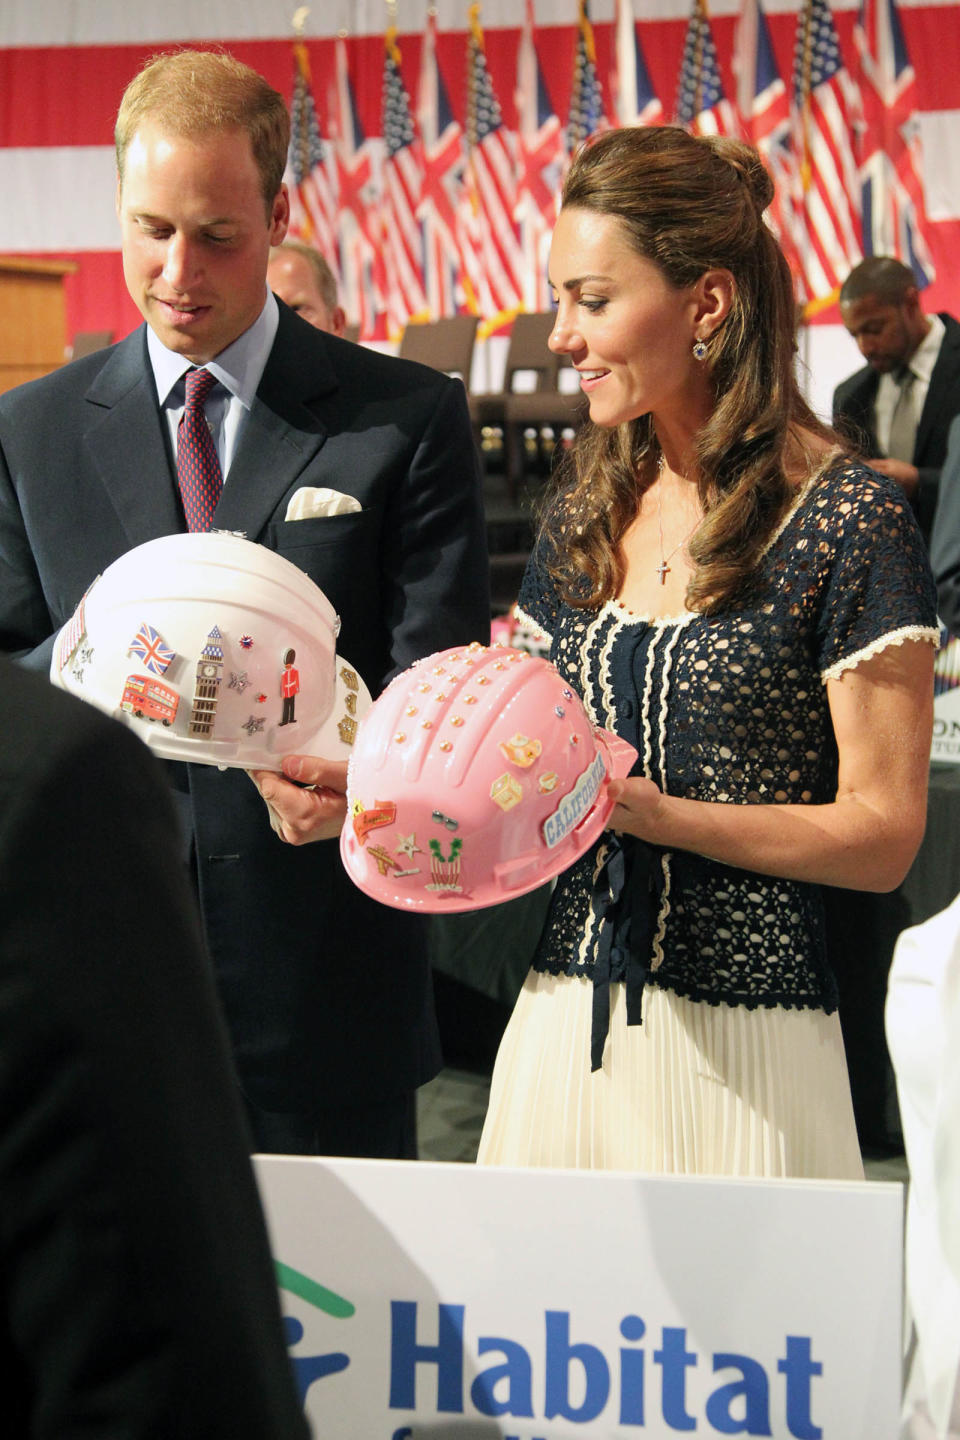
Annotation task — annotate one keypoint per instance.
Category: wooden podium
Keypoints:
(33, 320)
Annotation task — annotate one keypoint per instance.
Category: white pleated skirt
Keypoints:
(696, 1089)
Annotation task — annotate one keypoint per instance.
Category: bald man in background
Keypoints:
(300, 277)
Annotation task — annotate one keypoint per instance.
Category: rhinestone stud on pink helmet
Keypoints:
(476, 776)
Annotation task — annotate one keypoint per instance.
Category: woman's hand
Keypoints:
(314, 808)
(637, 806)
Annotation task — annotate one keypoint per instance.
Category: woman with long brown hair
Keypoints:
(751, 609)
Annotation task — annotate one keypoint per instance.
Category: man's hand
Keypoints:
(314, 808)
(905, 474)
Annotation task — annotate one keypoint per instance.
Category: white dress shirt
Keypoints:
(921, 364)
(239, 369)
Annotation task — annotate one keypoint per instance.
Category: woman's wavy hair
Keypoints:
(690, 204)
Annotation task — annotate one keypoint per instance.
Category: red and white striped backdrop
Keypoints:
(63, 69)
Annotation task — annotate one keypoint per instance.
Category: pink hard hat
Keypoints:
(475, 777)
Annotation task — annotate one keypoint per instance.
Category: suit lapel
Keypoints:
(282, 432)
(125, 444)
(941, 394)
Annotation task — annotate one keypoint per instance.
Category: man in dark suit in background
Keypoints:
(897, 410)
(137, 1293)
(326, 994)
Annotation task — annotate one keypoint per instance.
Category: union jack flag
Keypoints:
(764, 109)
(891, 161)
(443, 160)
(402, 184)
(702, 105)
(586, 99)
(313, 208)
(541, 158)
(826, 110)
(489, 242)
(361, 261)
(151, 649)
(636, 100)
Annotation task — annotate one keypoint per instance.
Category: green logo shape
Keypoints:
(314, 1293)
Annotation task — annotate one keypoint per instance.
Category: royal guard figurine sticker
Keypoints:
(289, 687)
(436, 743)
(187, 639)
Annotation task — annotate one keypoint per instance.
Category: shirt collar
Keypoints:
(239, 367)
(925, 356)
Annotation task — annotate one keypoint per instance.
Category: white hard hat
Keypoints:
(213, 649)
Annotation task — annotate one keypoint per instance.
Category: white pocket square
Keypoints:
(312, 502)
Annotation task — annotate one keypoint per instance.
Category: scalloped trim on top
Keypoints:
(526, 619)
(895, 637)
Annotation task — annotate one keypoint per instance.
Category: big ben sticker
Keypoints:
(207, 689)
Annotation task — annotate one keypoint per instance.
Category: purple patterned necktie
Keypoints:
(198, 468)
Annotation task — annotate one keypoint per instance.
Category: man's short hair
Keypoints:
(881, 277)
(198, 92)
(324, 276)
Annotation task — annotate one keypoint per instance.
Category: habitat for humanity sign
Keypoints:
(426, 1301)
(946, 700)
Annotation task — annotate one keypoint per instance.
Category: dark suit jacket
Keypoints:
(327, 993)
(853, 416)
(137, 1293)
(945, 536)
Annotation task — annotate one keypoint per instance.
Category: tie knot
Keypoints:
(199, 385)
(904, 377)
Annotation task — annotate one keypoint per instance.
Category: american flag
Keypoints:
(825, 111)
(636, 101)
(586, 99)
(313, 209)
(891, 161)
(151, 649)
(361, 262)
(541, 158)
(71, 635)
(402, 184)
(490, 243)
(764, 108)
(443, 161)
(702, 105)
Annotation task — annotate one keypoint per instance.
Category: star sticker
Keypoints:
(261, 699)
(238, 681)
(407, 845)
(254, 725)
(246, 641)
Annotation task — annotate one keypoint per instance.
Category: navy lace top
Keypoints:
(729, 708)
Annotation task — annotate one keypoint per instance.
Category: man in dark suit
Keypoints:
(326, 994)
(945, 536)
(137, 1293)
(896, 411)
